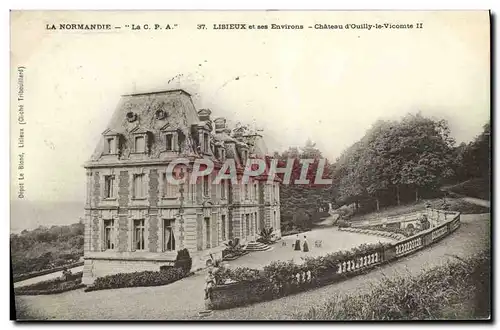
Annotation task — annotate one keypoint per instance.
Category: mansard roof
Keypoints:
(141, 110)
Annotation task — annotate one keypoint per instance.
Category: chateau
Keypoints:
(135, 219)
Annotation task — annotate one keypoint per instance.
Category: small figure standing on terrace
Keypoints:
(305, 246)
(297, 244)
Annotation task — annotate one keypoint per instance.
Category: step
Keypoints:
(257, 246)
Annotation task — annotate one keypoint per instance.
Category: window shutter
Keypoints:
(175, 147)
(132, 235)
(102, 236)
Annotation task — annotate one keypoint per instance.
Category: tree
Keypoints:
(476, 156)
(414, 153)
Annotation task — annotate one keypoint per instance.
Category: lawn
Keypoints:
(455, 204)
(478, 187)
(332, 240)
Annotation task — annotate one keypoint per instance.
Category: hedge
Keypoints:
(282, 271)
(138, 279)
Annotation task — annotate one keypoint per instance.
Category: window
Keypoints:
(140, 144)
(223, 220)
(169, 190)
(139, 243)
(222, 153)
(169, 142)
(275, 223)
(168, 235)
(206, 142)
(109, 234)
(255, 191)
(139, 186)
(110, 145)
(205, 183)
(207, 232)
(109, 183)
(246, 191)
(223, 189)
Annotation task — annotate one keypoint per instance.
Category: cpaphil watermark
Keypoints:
(256, 168)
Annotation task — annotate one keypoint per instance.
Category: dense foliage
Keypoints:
(233, 250)
(137, 279)
(266, 236)
(300, 203)
(473, 160)
(184, 261)
(458, 290)
(283, 271)
(395, 162)
(46, 248)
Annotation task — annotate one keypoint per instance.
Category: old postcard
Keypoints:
(250, 165)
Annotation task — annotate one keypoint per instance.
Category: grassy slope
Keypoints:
(458, 290)
(454, 205)
(478, 188)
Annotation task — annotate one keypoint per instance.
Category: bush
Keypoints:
(345, 212)
(266, 236)
(184, 261)
(343, 223)
(238, 275)
(46, 248)
(233, 250)
(443, 292)
(138, 279)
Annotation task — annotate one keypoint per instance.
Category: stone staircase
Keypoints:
(256, 246)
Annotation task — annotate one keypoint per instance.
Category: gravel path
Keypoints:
(183, 299)
(477, 201)
(472, 236)
(45, 277)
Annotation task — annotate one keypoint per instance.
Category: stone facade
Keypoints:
(137, 220)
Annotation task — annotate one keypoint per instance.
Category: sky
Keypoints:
(329, 86)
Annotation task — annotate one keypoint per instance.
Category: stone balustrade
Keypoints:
(408, 246)
(358, 262)
(243, 293)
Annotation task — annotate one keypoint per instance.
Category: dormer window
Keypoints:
(169, 142)
(140, 144)
(111, 142)
(169, 138)
(110, 146)
(141, 140)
